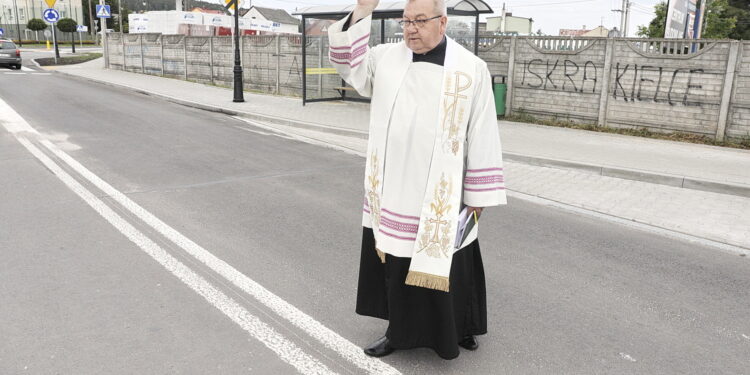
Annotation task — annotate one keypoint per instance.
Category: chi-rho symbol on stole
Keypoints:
(454, 108)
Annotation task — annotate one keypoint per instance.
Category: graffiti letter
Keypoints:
(549, 73)
(586, 76)
(618, 77)
(671, 87)
(658, 85)
(565, 73)
(541, 81)
(640, 82)
(691, 86)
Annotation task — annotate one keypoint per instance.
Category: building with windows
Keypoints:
(19, 12)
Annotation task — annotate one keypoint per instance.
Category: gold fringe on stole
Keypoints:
(426, 280)
(381, 255)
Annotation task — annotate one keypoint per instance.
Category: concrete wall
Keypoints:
(663, 85)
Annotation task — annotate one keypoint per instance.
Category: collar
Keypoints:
(434, 56)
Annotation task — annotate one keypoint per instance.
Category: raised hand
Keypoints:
(364, 8)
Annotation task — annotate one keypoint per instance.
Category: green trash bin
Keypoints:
(499, 89)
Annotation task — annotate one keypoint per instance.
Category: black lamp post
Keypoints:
(239, 95)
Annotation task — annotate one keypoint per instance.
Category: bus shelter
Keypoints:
(322, 76)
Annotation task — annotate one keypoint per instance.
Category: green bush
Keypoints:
(36, 24)
(67, 25)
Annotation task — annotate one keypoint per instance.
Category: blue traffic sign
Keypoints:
(2, 32)
(102, 11)
(50, 15)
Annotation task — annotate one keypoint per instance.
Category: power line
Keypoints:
(553, 3)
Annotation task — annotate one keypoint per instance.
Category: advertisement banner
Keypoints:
(680, 19)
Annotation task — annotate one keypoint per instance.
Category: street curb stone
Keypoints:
(603, 170)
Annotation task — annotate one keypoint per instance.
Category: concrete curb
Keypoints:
(603, 170)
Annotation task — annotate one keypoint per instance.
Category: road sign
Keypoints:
(2, 32)
(51, 15)
(230, 4)
(102, 11)
(50, 3)
(82, 29)
(47, 33)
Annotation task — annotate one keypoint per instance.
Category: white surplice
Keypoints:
(433, 146)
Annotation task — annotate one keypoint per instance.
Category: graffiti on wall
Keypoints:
(662, 85)
(538, 73)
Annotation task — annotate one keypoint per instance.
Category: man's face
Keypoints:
(421, 39)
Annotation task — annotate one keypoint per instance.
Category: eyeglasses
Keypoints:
(418, 23)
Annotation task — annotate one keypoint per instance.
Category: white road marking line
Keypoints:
(13, 73)
(26, 69)
(329, 338)
(746, 336)
(284, 348)
(628, 357)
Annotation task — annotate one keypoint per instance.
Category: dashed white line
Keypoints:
(285, 349)
(315, 329)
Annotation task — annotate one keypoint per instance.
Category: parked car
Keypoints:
(10, 54)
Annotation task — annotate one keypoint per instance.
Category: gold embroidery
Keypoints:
(373, 192)
(435, 239)
(453, 106)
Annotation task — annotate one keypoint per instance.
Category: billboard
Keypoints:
(681, 19)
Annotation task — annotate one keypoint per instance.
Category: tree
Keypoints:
(719, 22)
(69, 25)
(740, 9)
(36, 25)
(655, 28)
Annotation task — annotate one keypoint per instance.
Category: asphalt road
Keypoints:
(567, 293)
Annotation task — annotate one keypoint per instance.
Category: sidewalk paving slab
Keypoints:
(693, 166)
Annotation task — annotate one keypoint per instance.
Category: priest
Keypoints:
(433, 163)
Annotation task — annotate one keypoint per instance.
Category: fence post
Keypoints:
(726, 95)
(211, 57)
(161, 53)
(320, 65)
(143, 63)
(278, 64)
(185, 59)
(122, 40)
(609, 51)
(509, 79)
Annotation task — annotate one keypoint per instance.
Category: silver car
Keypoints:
(10, 54)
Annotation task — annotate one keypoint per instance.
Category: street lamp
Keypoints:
(239, 95)
(18, 24)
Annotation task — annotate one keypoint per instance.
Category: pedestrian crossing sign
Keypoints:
(102, 11)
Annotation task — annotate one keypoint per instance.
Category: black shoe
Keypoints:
(469, 343)
(379, 348)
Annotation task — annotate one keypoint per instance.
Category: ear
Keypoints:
(443, 24)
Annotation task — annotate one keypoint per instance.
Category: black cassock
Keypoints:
(420, 317)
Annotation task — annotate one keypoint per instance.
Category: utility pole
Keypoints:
(502, 20)
(119, 15)
(92, 25)
(627, 18)
(622, 17)
(103, 22)
(18, 24)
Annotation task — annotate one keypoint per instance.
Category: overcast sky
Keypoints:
(548, 15)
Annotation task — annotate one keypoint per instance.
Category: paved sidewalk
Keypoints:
(694, 190)
(678, 164)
